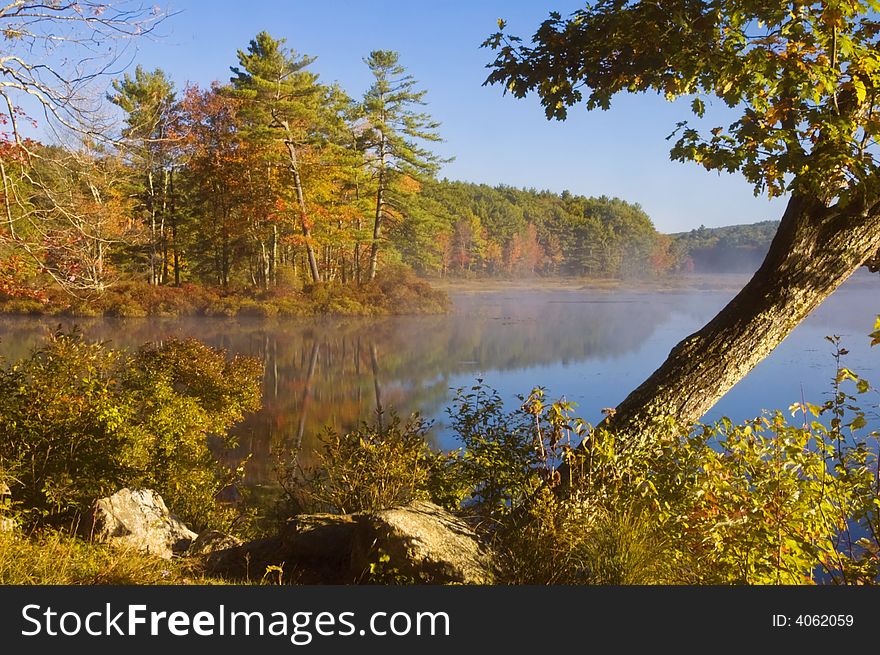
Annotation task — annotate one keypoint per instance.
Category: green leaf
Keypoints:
(861, 91)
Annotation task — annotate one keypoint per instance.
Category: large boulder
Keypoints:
(138, 519)
(311, 549)
(418, 543)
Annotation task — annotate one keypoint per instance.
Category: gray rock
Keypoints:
(420, 543)
(247, 561)
(138, 519)
(210, 541)
(319, 547)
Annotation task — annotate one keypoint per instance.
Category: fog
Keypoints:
(591, 346)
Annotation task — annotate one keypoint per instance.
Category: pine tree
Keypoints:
(283, 102)
(148, 99)
(392, 133)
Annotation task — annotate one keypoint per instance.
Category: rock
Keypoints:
(312, 549)
(420, 543)
(319, 547)
(210, 541)
(247, 561)
(139, 519)
(8, 524)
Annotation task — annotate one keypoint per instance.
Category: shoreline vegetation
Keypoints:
(403, 293)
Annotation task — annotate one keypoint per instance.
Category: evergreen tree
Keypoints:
(392, 133)
(148, 99)
(284, 102)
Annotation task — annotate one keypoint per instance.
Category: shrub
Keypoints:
(574, 540)
(376, 467)
(23, 306)
(500, 461)
(80, 420)
(396, 290)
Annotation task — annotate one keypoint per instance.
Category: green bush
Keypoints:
(376, 467)
(80, 420)
(765, 502)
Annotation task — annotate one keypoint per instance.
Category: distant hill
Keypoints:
(729, 249)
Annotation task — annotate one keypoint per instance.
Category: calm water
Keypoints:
(593, 347)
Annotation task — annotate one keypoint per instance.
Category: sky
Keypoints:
(494, 139)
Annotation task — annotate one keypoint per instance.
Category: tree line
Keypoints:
(269, 178)
(730, 249)
(276, 179)
(507, 231)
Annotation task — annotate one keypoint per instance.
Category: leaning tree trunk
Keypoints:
(303, 213)
(815, 250)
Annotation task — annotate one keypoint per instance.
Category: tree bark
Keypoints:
(377, 234)
(303, 214)
(273, 257)
(174, 247)
(380, 208)
(816, 248)
(151, 206)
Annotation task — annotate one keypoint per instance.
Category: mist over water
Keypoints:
(591, 346)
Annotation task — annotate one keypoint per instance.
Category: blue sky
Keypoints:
(494, 138)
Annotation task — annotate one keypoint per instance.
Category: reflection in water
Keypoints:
(339, 372)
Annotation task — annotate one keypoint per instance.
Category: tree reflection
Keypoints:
(338, 372)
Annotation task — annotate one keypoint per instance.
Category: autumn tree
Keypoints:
(282, 101)
(53, 54)
(66, 213)
(393, 133)
(803, 78)
(82, 40)
(215, 181)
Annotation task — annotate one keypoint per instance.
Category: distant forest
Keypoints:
(732, 249)
(482, 230)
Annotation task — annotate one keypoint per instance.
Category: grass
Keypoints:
(52, 557)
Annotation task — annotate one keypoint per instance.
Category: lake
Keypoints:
(591, 346)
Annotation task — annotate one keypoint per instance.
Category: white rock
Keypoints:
(138, 519)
